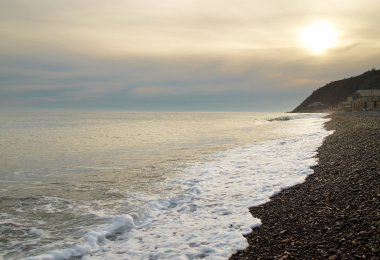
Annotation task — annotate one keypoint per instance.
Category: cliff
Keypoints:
(335, 92)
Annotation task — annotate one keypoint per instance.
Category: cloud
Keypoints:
(154, 90)
(178, 55)
(177, 83)
(171, 27)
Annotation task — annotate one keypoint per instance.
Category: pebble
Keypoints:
(335, 212)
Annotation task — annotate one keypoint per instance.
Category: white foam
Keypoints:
(210, 214)
(50, 205)
(37, 232)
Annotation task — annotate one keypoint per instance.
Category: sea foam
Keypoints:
(210, 212)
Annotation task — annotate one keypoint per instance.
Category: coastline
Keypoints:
(335, 213)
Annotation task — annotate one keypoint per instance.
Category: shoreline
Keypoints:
(335, 213)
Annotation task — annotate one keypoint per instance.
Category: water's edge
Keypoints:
(276, 165)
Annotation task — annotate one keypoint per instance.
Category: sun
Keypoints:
(318, 37)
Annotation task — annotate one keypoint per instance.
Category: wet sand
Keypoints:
(335, 213)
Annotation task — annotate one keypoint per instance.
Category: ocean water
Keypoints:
(118, 185)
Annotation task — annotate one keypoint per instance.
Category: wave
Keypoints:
(295, 116)
(209, 214)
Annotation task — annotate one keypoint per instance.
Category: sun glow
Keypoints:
(319, 36)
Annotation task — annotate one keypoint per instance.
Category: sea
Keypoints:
(144, 185)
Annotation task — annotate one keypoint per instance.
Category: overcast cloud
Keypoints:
(176, 55)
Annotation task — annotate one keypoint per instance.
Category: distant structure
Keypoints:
(361, 100)
(344, 94)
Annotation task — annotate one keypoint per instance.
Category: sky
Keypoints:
(179, 55)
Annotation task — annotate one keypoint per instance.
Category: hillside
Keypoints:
(338, 91)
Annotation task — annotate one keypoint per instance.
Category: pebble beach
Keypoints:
(335, 213)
